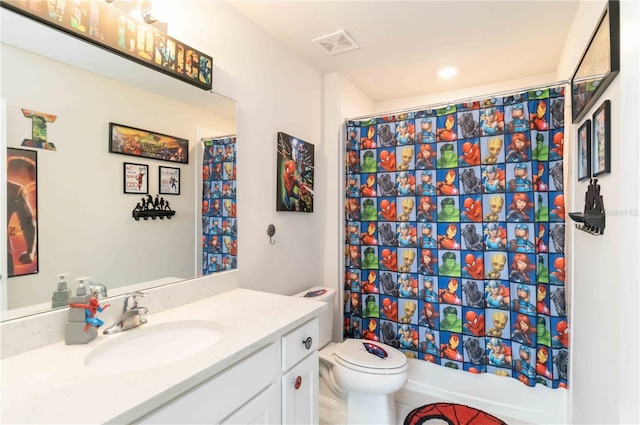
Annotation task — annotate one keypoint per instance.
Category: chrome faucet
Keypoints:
(99, 290)
(131, 315)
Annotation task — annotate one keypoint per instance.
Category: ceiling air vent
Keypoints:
(336, 43)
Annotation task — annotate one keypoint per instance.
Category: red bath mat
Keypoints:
(454, 414)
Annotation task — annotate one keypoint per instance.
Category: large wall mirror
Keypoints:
(84, 217)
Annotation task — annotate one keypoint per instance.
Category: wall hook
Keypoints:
(271, 230)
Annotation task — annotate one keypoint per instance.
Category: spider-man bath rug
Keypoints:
(450, 413)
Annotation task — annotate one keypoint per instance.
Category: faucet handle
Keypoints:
(134, 296)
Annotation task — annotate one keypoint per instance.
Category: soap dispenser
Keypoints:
(74, 329)
(61, 295)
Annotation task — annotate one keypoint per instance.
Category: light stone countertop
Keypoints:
(51, 384)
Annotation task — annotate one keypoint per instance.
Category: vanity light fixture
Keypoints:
(140, 9)
(447, 72)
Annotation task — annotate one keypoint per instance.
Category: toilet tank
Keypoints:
(326, 295)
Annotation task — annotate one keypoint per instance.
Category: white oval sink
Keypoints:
(150, 346)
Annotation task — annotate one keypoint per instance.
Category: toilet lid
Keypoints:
(370, 355)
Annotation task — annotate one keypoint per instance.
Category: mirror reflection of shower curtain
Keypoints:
(219, 214)
(454, 248)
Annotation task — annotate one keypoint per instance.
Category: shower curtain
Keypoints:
(455, 235)
(219, 225)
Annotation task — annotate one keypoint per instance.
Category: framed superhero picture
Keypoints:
(136, 178)
(600, 62)
(294, 185)
(169, 180)
(584, 151)
(22, 212)
(601, 145)
(147, 144)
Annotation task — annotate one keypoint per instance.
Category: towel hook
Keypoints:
(271, 230)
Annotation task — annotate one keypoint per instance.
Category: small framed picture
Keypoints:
(601, 146)
(169, 180)
(584, 151)
(136, 178)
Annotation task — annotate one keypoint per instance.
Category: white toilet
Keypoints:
(358, 378)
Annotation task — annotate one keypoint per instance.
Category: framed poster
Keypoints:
(602, 140)
(22, 212)
(169, 180)
(584, 151)
(294, 185)
(600, 62)
(136, 178)
(147, 144)
(100, 23)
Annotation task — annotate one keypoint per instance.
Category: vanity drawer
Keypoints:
(296, 345)
(223, 394)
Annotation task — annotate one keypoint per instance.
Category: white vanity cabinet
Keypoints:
(246, 393)
(300, 374)
(261, 389)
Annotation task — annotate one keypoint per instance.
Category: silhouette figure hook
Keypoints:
(271, 230)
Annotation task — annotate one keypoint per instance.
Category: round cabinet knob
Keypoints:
(308, 342)
(298, 382)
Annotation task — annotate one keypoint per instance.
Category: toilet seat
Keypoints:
(370, 357)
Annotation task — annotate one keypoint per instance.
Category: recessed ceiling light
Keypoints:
(447, 72)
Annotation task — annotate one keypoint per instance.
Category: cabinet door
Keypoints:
(300, 392)
(263, 409)
(223, 394)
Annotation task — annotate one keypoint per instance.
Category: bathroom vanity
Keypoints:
(260, 366)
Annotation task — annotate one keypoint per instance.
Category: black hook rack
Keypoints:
(154, 208)
(593, 218)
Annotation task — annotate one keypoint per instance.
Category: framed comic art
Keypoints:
(147, 144)
(294, 185)
(169, 180)
(584, 151)
(22, 212)
(599, 64)
(99, 23)
(136, 178)
(601, 145)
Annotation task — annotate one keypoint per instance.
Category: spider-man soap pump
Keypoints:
(82, 324)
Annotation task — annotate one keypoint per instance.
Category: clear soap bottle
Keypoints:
(61, 295)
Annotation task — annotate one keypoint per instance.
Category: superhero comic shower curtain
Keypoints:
(219, 225)
(455, 235)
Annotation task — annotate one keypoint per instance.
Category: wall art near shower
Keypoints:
(454, 235)
(147, 144)
(22, 212)
(219, 215)
(295, 174)
(602, 139)
(584, 151)
(599, 64)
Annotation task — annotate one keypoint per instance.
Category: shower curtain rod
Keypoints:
(467, 99)
(202, 139)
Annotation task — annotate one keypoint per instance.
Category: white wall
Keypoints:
(341, 100)
(84, 218)
(603, 274)
(276, 91)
